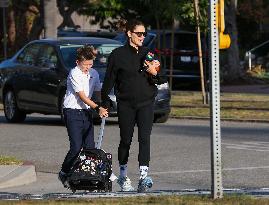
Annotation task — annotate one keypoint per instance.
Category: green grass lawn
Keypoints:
(233, 106)
(150, 200)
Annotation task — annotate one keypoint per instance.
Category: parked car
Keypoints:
(186, 68)
(258, 55)
(34, 79)
(72, 32)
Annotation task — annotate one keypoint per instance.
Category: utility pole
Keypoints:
(215, 129)
(218, 40)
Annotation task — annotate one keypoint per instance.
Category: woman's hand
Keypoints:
(103, 112)
(152, 66)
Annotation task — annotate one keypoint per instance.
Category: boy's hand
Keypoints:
(103, 112)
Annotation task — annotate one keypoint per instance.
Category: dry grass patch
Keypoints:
(233, 105)
(7, 160)
(156, 200)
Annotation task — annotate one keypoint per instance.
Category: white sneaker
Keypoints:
(113, 177)
(125, 184)
(144, 184)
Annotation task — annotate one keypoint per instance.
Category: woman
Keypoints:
(133, 78)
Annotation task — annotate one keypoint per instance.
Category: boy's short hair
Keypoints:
(86, 52)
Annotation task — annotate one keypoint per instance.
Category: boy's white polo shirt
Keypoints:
(79, 81)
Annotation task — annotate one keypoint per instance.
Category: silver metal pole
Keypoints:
(249, 60)
(4, 33)
(216, 169)
(101, 134)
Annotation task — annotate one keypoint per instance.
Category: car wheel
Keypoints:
(11, 110)
(161, 118)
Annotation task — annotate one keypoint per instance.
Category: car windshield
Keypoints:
(69, 54)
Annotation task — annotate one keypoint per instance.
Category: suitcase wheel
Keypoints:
(108, 186)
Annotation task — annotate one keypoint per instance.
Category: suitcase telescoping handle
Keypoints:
(98, 143)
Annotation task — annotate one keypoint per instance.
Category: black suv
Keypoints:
(186, 69)
(34, 79)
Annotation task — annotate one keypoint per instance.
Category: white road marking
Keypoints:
(207, 170)
(250, 146)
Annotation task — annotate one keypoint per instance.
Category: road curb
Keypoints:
(222, 119)
(257, 193)
(16, 175)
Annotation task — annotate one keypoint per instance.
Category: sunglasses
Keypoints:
(139, 34)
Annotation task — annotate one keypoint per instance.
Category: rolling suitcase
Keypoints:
(92, 169)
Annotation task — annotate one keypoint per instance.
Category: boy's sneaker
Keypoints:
(125, 184)
(144, 184)
(63, 178)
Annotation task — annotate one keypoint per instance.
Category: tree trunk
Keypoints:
(196, 12)
(11, 31)
(50, 26)
(1, 37)
(232, 69)
(171, 66)
(19, 9)
(66, 13)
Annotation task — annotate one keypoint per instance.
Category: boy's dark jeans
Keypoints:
(79, 124)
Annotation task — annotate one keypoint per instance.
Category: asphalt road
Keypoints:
(180, 154)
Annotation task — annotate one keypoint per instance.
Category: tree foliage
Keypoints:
(24, 22)
(251, 15)
(25, 18)
(103, 10)
(187, 16)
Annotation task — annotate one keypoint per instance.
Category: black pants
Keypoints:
(80, 130)
(128, 117)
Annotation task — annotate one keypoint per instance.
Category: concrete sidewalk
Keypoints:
(16, 175)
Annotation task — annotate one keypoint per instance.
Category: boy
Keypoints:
(82, 81)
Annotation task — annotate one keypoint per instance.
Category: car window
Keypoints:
(69, 54)
(28, 55)
(47, 56)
